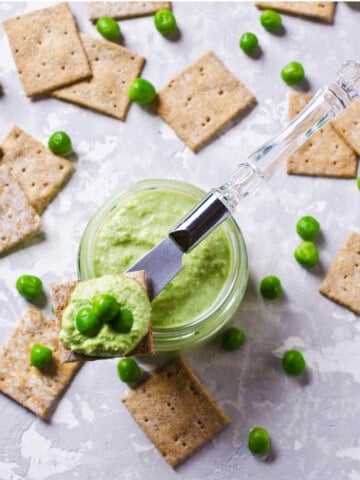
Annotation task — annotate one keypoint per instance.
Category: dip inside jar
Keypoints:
(138, 224)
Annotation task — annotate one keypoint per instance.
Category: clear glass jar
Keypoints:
(203, 327)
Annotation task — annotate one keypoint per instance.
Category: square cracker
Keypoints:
(201, 100)
(47, 49)
(120, 10)
(324, 154)
(18, 219)
(37, 390)
(342, 281)
(60, 294)
(113, 68)
(40, 173)
(319, 10)
(347, 125)
(175, 411)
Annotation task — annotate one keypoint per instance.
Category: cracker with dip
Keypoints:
(131, 292)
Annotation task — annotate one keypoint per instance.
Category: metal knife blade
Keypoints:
(161, 264)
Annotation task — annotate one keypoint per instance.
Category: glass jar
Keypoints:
(202, 327)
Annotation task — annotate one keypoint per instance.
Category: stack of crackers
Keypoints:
(30, 177)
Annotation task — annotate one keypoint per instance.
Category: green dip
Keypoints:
(107, 342)
(141, 222)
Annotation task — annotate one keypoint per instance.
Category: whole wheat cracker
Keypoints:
(320, 10)
(35, 389)
(175, 411)
(40, 173)
(47, 49)
(201, 100)
(18, 219)
(347, 125)
(324, 154)
(342, 282)
(113, 68)
(60, 295)
(122, 10)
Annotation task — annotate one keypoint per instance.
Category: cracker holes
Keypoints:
(72, 52)
(336, 146)
(23, 169)
(306, 160)
(114, 106)
(17, 135)
(61, 167)
(146, 419)
(9, 216)
(345, 277)
(45, 184)
(193, 390)
(205, 122)
(3, 239)
(16, 50)
(200, 424)
(33, 184)
(62, 67)
(183, 444)
(132, 58)
(38, 75)
(221, 91)
(201, 71)
(334, 162)
(169, 375)
(96, 59)
(65, 32)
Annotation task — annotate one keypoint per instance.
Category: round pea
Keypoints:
(293, 363)
(307, 254)
(259, 441)
(248, 42)
(232, 339)
(293, 73)
(358, 183)
(164, 21)
(40, 356)
(108, 28)
(60, 143)
(29, 286)
(141, 91)
(307, 227)
(128, 370)
(123, 321)
(86, 321)
(270, 20)
(105, 307)
(270, 287)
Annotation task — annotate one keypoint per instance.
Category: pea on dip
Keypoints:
(139, 223)
(107, 341)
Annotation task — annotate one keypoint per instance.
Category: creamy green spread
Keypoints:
(137, 225)
(107, 342)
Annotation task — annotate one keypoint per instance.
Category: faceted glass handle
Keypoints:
(262, 164)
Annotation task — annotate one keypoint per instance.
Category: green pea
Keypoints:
(60, 143)
(307, 227)
(123, 321)
(40, 356)
(141, 91)
(108, 28)
(259, 441)
(270, 20)
(164, 21)
(307, 254)
(128, 370)
(293, 73)
(248, 42)
(29, 286)
(358, 183)
(105, 307)
(270, 287)
(232, 339)
(87, 322)
(293, 363)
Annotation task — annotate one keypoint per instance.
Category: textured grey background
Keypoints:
(314, 421)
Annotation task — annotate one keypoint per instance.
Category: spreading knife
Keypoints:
(164, 261)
